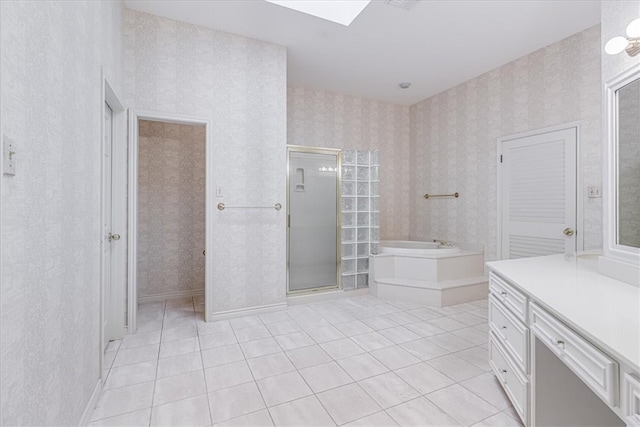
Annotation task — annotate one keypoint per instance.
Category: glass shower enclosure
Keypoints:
(313, 219)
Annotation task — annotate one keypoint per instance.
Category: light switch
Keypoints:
(594, 192)
(9, 155)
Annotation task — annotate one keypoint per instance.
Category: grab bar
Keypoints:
(432, 196)
(222, 206)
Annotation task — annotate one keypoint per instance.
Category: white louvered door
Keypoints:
(539, 194)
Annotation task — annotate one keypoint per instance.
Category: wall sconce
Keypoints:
(630, 44)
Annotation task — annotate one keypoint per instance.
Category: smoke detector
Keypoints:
(402, 4)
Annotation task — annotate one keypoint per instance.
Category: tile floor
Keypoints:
(357, 361)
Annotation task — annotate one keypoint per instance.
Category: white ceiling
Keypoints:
(435, 46)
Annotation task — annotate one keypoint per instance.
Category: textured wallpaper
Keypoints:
(240, 85)
(454, 138)
(171, 208)
(51, 59)
(326, 119)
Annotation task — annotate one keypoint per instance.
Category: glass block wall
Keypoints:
(360, 215)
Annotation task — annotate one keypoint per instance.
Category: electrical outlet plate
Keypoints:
(9, 156)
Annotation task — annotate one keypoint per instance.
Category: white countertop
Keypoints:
(603, 310)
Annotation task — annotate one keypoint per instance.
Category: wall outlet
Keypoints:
(594, 192)
(9, 156)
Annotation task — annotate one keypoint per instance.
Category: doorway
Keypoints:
(537, 194)
(313, 219)
(169, 174)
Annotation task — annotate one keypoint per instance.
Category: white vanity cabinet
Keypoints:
(561, 332)
(509, 342)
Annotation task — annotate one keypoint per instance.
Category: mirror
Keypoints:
(628, 200)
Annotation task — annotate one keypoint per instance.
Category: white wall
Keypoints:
(325, 119)
(240, 85)
(454, 133)
(51, 98)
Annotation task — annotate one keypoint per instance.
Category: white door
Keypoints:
(539, 194)
(106, 223)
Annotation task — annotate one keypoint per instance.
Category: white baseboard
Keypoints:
(170, 295)
(324, 296)
(230, 314)
(88, 410)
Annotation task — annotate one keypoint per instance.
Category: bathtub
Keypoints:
(427, 273)
(415, 248)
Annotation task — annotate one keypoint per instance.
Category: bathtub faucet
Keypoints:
(443, 243)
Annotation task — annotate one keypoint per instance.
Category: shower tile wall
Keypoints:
(171, 208)
(360, 215)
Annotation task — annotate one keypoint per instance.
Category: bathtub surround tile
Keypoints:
(301, 412)
(193, 411)
(348, 403)
(299, 377)
(234, 402)
(179, 387)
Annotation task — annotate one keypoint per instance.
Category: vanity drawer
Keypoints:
(511, 332)
(513, 299)
(514, 383)
(595, 368)
(631, 389)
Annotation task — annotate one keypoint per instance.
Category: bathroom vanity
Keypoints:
(564, 341)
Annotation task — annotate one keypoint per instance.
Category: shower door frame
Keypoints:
(329, 151)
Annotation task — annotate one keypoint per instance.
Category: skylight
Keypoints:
(342, 12)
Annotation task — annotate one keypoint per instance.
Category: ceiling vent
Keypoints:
(402, 4)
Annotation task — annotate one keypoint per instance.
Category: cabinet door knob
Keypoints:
(560, 343)
(113, 237)
(568, 232)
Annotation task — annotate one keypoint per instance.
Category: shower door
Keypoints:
(313, 181)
